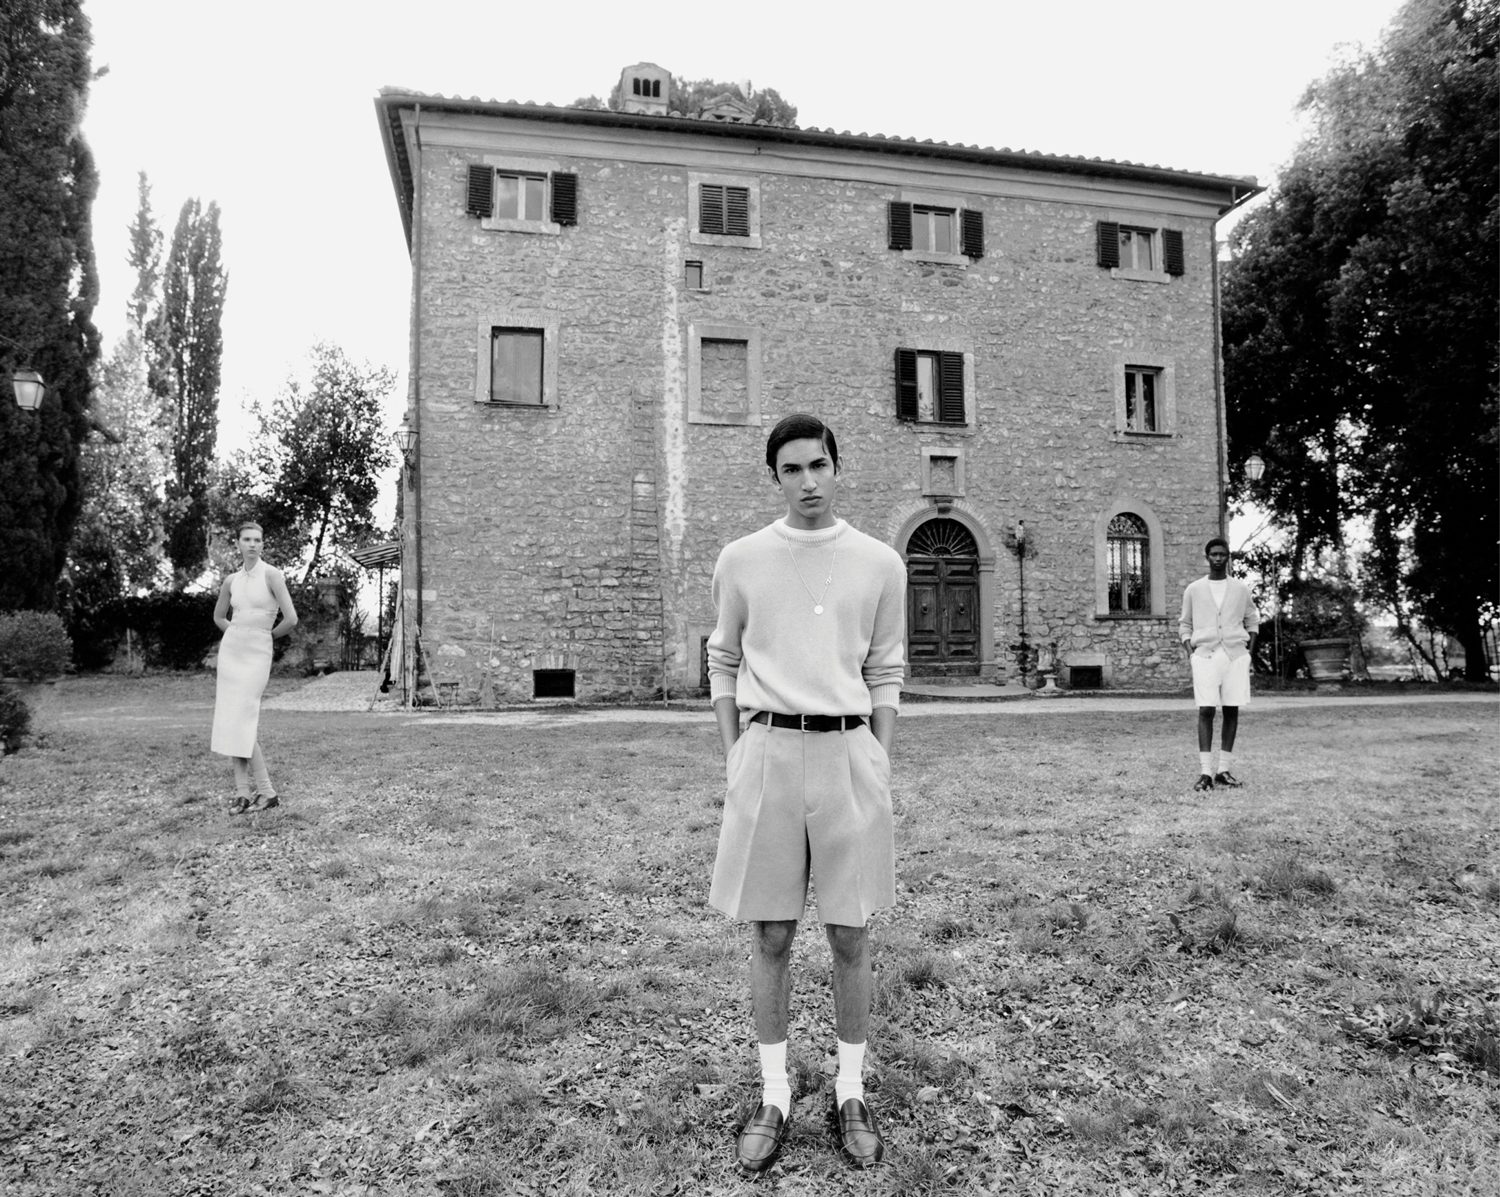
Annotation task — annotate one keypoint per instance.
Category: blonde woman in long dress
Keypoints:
(253, 595)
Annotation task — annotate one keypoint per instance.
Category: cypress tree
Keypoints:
(48, 288)
(185, 350)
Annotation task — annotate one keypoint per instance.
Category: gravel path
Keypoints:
(353, 692)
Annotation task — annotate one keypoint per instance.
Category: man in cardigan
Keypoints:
(1217, 628)
(810, 643)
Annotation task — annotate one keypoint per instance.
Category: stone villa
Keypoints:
(610, 309)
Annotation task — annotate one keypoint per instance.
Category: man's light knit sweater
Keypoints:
(770, 652)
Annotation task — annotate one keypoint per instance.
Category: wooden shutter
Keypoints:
(1109, 243)
(900, 226)
(971, 234)
(737, 211)
(481, 191)
(1171, 241)
(950, 388)
(906, 384)
(564, 198)
(711, 208)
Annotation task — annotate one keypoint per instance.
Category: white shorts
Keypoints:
(1221, 682)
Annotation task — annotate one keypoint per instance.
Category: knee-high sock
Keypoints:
(262, 776)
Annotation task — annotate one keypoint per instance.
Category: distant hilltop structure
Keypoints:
(646, 88)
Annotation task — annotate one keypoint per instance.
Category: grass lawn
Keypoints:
(465, 959)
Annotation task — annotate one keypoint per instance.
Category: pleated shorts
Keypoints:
(801, 802)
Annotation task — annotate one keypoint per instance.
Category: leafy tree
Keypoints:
(313, 475)
(185, 346)
(1359, 319)
(118, 541)
(48, 287)
(689, 96)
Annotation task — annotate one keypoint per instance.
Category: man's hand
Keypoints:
(728, 715)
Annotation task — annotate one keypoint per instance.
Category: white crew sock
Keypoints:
(1206, 763)
(850, 1081)
(1226, 758)
(777, 1087)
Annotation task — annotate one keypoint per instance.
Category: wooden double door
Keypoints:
(942, 600)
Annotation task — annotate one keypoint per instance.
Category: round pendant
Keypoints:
(818, 610)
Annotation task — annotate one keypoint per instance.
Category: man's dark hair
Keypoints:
(1214, 541)
(800, 427)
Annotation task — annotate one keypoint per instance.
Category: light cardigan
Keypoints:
(1210, 626)
(770, 652)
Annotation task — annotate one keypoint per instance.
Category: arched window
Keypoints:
(1129, 545)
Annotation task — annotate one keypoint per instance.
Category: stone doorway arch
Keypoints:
(950, 600)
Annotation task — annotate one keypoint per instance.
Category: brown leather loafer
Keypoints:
(1204, 782)
(1228, 780)
(858, 1134)
(760, 1142)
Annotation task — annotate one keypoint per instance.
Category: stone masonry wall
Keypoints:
(526, 511)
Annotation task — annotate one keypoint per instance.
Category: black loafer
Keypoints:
(1228, 780)
(262, 802)
(760, 1142)
(858, 1134)
(1204, 782)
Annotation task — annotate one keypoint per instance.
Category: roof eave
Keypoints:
(390, 102)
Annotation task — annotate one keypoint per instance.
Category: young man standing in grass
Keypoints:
(1217, 628)
(810, 643)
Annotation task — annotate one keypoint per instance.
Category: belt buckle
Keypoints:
(802, 724)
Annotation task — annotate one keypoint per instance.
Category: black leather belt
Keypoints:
(809, 723)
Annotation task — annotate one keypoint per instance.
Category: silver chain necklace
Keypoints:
(827, 582)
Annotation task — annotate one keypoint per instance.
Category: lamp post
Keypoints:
(1255, 470)
(1016, 541)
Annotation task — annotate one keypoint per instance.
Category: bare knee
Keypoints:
(774, 939)
(847, 943)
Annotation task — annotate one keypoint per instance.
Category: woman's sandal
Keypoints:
(239, 805)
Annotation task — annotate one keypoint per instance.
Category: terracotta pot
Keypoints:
(1325, 658)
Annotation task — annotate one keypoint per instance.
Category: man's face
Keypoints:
(1218, 560)
(808, 480)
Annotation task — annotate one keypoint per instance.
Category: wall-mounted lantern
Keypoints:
(29, 389)
(405, 440)
(1255, 467)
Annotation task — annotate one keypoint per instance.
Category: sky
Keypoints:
(267, 109)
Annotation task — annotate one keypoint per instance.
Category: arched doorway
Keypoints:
(942, 600)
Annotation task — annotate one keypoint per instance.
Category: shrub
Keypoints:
(33, 645)
(174, 630)
(15, 719)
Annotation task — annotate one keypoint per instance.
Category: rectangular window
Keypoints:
(520, 197)
(692, 275)
(724, 210)
(516, 365)
(1138, 249)
(724, 379)
(932, 230)
(930, 386)
(1141, 408)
